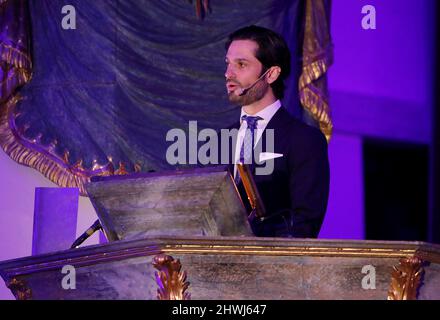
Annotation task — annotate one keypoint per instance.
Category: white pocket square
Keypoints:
(269, 155)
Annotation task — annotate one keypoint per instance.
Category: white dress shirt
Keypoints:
(266, 114)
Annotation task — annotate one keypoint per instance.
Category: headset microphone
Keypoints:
(244, 91)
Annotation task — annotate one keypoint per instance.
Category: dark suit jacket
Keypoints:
(295, 194)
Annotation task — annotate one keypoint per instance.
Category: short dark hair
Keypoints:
(272, 51)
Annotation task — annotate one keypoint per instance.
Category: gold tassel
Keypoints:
(317, 57)
(202, 8)
(15, 58)
(18, 70)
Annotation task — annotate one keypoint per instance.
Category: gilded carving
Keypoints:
(19, 289)
(170, 279)
(406, 279)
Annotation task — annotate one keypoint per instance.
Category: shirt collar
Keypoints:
(267, 113)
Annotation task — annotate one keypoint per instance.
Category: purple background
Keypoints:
(381, 85)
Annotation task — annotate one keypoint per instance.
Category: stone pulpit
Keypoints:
(185, 235)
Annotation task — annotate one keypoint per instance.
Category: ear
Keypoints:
(273, 74)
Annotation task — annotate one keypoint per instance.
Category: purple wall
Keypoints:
(393, 61)
(17, 194)
(381, 85)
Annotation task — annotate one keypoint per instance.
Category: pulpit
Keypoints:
(184, 235)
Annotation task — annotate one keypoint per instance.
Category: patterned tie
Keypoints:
(246, 151)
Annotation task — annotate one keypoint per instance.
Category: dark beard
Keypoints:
(256, 93)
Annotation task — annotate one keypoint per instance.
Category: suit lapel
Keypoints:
(277, 123)
(279, 119)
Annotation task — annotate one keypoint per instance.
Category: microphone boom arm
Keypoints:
(244, 91)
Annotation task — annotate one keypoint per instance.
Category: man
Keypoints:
(295, 194)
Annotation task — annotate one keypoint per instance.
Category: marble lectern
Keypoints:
(202, 201)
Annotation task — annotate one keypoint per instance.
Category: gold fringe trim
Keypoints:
(14, 57)
(17, 67)
(319, 108)
(15, 78)
(51, 166)
(202, 8)
(313, 72)
(18, 70)
(21, 76)
(317, 57)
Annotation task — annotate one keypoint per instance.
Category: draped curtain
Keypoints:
(103, 96)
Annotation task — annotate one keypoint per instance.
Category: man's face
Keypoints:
(242, 70)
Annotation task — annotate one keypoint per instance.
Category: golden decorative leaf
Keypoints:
(170, 279)
(405, 279)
